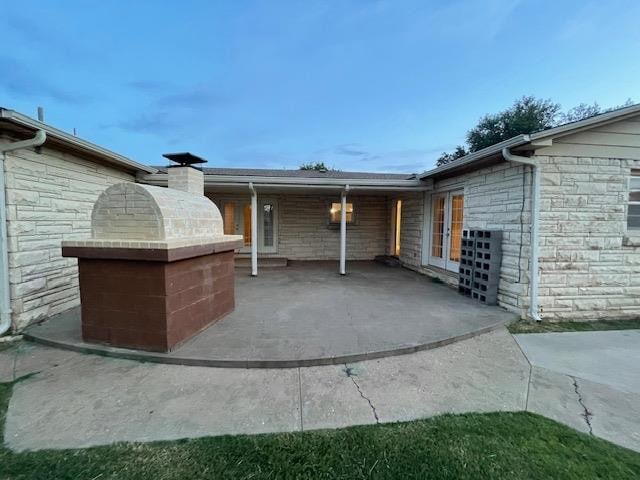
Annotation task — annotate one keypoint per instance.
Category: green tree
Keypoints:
(527, 115)
(318, 166)
(445, 158)
(580, 112)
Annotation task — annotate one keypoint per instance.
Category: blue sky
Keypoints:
(361, 84)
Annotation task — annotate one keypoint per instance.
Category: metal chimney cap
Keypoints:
(184, 159)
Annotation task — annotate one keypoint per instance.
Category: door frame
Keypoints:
(239, 203)
(261, 246)
(395, 239)
(439, 261)
(451, 264)
(443, 262)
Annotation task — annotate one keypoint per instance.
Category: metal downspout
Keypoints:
(254, 230)
(5, 293)
(534, 240)
(343, 230)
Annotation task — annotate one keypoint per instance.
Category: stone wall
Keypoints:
(304, 233)
(589, 267)
(411, 229)
(49, 197)
(494, 199)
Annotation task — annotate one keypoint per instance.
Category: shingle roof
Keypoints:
(284, 173)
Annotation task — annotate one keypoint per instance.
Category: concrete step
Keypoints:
(244, 261)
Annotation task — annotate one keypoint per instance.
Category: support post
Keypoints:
(343, 230)
(254, 230)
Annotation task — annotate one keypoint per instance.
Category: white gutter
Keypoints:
(472, 157)
(254, 231)
(538, 137)
(5, 294)
(52, 132)
(535, 214)
(343, 230)
(160, 179)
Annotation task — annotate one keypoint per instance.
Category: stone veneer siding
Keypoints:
(588, 267)
(493, 200)
(304, 234)
(50, 196)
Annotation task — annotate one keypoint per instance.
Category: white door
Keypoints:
(267, 225)
(237, 221)
(446, 229)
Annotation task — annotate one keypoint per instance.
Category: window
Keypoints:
(335, 212)
(438, 226)
(633, 216)
(267, 224)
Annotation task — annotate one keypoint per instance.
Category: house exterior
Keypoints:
(566, 199)
(46, 195)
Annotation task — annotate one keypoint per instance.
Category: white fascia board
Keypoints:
(294, 182)
(53, 132)
(542, 138)
(472, 157)
(575, 127)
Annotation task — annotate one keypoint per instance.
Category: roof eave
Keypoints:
(574, 127)
(520, 140)
(239, 180)
(472, 157)
(79, 143)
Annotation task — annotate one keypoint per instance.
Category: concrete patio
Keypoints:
(92, 400)
(306, 314)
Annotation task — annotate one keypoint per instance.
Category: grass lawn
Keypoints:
(542, 327)
(479, 446)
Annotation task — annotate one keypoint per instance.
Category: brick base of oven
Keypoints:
(151, 305)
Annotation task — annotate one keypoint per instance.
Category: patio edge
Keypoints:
(170, 359)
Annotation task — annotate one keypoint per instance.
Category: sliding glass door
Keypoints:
(447, 218)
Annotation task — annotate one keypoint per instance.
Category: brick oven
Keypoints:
(157, 269)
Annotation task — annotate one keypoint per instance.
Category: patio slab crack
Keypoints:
(350, 374)
(587, 414)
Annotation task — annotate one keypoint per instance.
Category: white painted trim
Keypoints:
(254, 231)
(437, 261)
(538, 138)
(343, 230)
(77, 142)
(445, 263)
(261, 203)
(426, 229)
(452, 266)
(337, 184)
